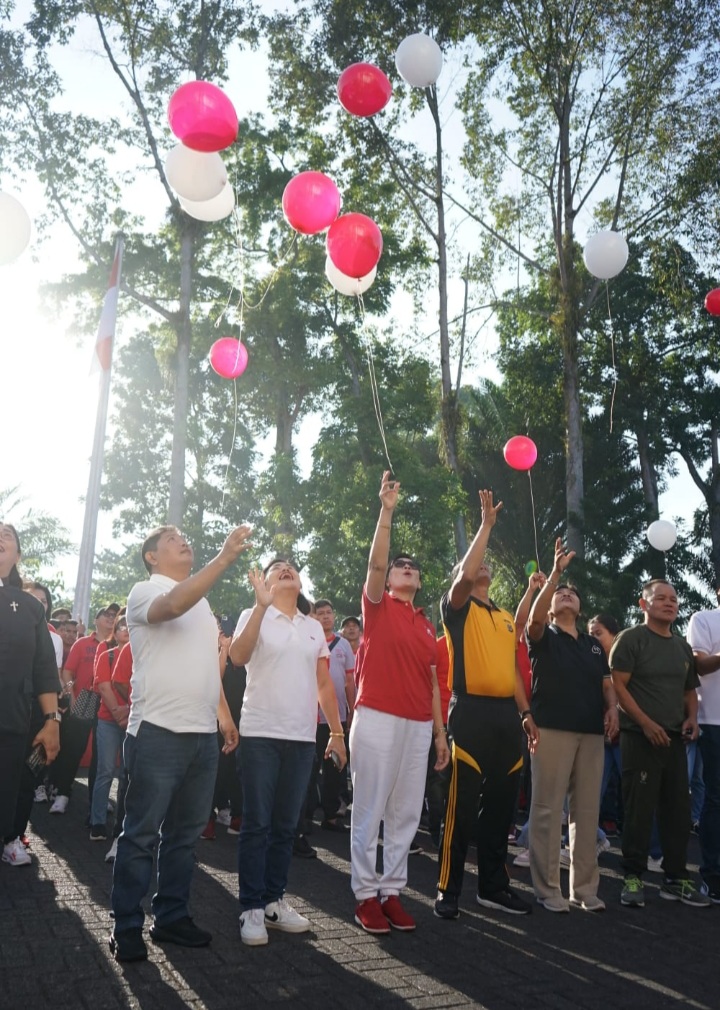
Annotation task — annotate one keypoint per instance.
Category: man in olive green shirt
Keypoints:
(653, 672)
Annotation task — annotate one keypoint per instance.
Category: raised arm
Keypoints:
(541, 606)
(243, 644)
(536, 581)
(475, 554)
(380, 549)
(190, 591)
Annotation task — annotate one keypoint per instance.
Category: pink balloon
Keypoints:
(363, 89)
(354, 244)
(311, 202)
(202, 117)
(228, 357)
(520, 453)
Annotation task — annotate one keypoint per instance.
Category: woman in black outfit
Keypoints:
(27, 669)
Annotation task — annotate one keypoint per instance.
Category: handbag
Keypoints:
(86, 705)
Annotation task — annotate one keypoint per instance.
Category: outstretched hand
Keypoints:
(237, 542)
(263, 596)
(536, 581)
(489, 510)
(563, 556)
(389, 491)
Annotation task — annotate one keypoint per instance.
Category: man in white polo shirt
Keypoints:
(171, 748)
(285, 654)
(703, 635)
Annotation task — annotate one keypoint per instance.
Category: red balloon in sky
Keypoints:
(354, 244)
(363, 89)
(712, 302)
(228, 357)
(311, 202)
(202, 116)
(520, 453)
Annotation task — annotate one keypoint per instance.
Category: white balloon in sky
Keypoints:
(216, 209)
(195, 175)
(662, 534)
(348, 285)
(419, 60)
(15, 228)
(605, 254)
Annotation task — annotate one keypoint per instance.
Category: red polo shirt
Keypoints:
(122, 669)
(81, 661)
(397, 656)
(105, 660)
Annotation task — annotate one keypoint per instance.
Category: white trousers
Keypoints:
(389, 759)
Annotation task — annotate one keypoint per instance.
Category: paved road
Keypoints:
(54, 925)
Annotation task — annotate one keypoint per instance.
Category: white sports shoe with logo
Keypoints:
(252, 927)
(280, 915)
(60, 805)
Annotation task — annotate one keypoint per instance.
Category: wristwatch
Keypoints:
(52, 717)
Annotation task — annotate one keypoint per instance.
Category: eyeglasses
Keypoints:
(406, 563)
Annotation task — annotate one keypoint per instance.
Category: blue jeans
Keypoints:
(696, 780)
(170, 786)
(108, 741)
(275, 776)
(710, 818)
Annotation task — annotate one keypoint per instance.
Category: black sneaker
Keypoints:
(128, 945)
(711, 888)
(446, 906)
(505, 901)
(183, 931)
(303, 849)
(98, 833)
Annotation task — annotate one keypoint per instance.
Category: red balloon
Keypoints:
(520, 453)
(311, 202)
(363, 89)
(202, 117)
(228, 357)
(354, 244)
(712, 302)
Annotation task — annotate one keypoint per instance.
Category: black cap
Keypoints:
(347, 620)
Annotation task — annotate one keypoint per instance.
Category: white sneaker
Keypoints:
(40, 795)
(252, 927)
(522, 858)
(223, 817)
(112, 852)
(16, 854)
(603, 846)
(655, 865)
(593, 904)
(280, 915)
(60, 805)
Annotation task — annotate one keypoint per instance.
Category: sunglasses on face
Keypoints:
(406, 563)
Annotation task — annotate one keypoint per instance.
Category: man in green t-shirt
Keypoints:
(653, 672)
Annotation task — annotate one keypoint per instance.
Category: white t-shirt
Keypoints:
(341, 660)
(703, 634)
(176, 676)
(58, 646)
(281, 699)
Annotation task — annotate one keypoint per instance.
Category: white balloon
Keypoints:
(662, 535)
(348, 285)
(211, 210)
(195, 175)
(606, 253)
(14, 228)
(419, 60)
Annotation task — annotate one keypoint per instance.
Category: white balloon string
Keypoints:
(532, 503)
(373, 381)
(612, 351)
(232, 446)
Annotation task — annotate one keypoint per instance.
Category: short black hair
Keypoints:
(48, 596)
(279, 561)
(608, 622)
(151, 541)
(572, 588)
(651, 583)
(324, 603)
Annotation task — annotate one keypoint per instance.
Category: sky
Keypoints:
(48, 408)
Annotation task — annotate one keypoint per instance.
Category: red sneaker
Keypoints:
(209, 832)
(396, 914)
(369, 915)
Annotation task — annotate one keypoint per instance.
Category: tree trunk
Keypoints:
(176, 504)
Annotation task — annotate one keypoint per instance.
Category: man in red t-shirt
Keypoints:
(397, 712)
(74, 733)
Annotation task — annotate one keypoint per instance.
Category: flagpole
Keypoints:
(103, 349)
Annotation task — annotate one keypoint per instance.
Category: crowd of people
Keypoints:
(253, 727)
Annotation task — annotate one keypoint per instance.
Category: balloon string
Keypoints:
(612, 351)
(373, 381)
(232, 446)
(532, 503)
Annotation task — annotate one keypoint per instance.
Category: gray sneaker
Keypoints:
(685, 891)
(633, 892)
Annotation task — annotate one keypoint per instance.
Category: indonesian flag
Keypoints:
(106, 329)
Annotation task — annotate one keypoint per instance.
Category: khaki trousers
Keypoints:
(572, 764)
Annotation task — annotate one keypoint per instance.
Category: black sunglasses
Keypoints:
(405, 563)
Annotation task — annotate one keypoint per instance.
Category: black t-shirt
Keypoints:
(27, 658)
(567, 681)
(234, 688)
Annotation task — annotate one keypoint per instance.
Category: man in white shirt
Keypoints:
(285, 654)
(703, 635)
(170, 751)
